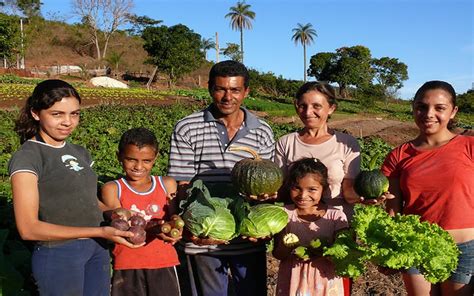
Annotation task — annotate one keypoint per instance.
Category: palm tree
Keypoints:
(207, 44)
(305, 35)
(240, 19)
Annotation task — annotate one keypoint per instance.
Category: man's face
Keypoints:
(228, 94)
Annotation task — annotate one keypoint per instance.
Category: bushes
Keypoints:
(465, 102)
(368, 95)
(269, 84)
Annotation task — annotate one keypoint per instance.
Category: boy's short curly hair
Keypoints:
(139, 137)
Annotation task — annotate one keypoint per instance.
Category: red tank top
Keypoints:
(155, 254)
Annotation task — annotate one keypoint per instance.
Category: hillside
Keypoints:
(54, 43)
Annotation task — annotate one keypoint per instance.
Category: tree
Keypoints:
(139, 23)
(240, 19)
(207, 44)
(348, 66)
(10, 42)
(232, 51)
(102, 18)
(304, 34)
(173, 50)
(29, 8)
(390, 73)
(114, 59)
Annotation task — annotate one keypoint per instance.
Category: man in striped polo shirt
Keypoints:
(200, 150)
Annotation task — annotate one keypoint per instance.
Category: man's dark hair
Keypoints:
(228, 69)
(139, 137)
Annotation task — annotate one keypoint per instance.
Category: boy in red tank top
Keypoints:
(150, 269)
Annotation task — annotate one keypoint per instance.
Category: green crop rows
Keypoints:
(22, 91)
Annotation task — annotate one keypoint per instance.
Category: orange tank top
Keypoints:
(155, 254)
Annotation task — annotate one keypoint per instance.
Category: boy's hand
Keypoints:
(168, 237)
(171, 196)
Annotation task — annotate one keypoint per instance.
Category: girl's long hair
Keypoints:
(45, 94)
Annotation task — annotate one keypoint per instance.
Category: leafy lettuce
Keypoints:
(398, 242)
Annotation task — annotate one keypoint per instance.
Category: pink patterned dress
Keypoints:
(316, 276)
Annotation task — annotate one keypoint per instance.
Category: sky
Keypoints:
(434, 38)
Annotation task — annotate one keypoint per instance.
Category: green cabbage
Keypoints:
(263, 220)
(206, 216)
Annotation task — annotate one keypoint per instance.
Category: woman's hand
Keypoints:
(379, 200)
(119, 236)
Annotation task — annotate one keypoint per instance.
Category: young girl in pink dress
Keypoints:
(309, 218)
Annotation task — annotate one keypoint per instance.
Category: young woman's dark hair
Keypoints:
(437, 84)
(227, 69)
(45, 94)
(139, 137)
(305, 166)
(322, 87)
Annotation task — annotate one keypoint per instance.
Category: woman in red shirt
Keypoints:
(433, 176)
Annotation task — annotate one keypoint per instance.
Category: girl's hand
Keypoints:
(119, 236)
(263, 197)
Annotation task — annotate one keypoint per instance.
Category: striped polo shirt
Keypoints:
(200, 150)
(199, 146)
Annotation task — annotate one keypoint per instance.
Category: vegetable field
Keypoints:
(115, 111)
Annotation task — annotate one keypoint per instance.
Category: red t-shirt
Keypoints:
(437, 184)
(155, 254)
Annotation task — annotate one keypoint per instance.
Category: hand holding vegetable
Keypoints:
(254, 239)
(201, 241)
(263, 197)
(170, 231)
(379, 200)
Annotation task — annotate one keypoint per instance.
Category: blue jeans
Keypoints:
(465, 269)
(78, 267)
(209, 274)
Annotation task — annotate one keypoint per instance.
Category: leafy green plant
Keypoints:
(371, 146)
(398, 242)
(206, 216)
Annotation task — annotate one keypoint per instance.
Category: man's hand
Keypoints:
(207, 241)
(254, 239)
(200, 241)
